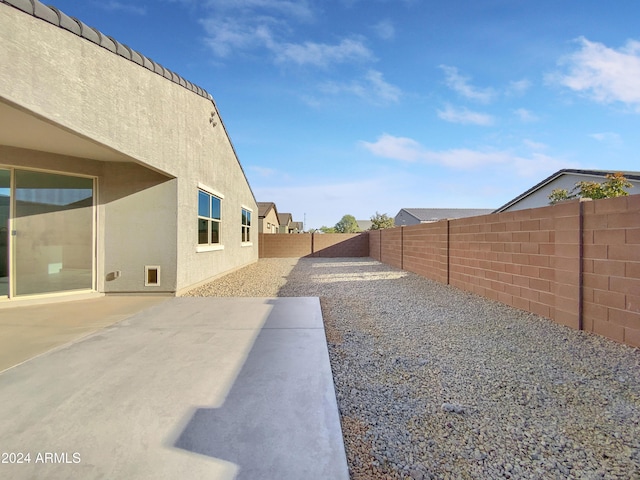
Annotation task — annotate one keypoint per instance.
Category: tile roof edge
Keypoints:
(55, 17)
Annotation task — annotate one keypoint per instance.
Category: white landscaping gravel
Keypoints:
(434, 382)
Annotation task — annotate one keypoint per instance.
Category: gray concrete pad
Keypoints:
(217, 388)
(30, 330)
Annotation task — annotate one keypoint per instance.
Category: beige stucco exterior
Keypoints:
(69, 105)
(270, 223)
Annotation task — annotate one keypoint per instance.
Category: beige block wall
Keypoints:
(86, 89)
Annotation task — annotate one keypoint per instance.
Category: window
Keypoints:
(246, 225)
(208, 219)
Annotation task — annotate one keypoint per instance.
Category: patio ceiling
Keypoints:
(24, 129)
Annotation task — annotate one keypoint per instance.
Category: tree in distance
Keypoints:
(614, 187)
(347, 224)
(325, 229)
(380, 221)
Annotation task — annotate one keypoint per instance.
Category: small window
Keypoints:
(208, 219)
(246, 225)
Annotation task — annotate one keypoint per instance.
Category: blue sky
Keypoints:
(354, 106)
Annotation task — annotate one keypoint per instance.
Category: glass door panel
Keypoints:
(5, 211)
(53, 233)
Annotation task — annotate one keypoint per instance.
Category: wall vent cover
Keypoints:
(151, 275)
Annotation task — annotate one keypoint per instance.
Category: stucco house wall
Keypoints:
(150, 142)
(405, 218)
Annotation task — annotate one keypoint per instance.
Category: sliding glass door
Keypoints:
(52, 233)
(5, 210)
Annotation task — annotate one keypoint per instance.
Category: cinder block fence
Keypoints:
(577, 263)
(313, 245)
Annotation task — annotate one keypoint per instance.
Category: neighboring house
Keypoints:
(285, 220)
(287, 225)
(116, 174)
(364, 225)
(268, 218)
(538, 195)
(414, 216)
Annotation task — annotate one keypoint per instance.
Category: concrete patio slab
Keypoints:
(220, 388)
(27, 331)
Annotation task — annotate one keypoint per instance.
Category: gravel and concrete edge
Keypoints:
(433, 382)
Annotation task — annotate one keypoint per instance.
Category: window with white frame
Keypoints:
(246, 225)
(208, 219)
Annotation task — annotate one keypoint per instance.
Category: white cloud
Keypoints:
(534, 145)
(525, 115)
(539, 164)
(465, 116)
(322, 54)
(385, 30)
(372, 88)
(518, 87)
(235, 26)
(396, 148)
(228, 35)
(609, 138)
(604, 74)
(461, 85)
(408, 150)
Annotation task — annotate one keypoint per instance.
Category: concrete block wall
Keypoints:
(284, 245)
(391, 246)
(577, 263)
(611, 265)
(340, 245)
(426, 250)
(528, 259)
(375, 244)
(316, 245)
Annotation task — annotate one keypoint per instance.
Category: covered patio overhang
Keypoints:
(22, 128)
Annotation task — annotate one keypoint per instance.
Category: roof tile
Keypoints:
(107, 42)
(89, 33)
(24, 5)
(45, 13)
(67, 22)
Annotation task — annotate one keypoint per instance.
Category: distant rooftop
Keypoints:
(264, 207)
(55, 17)
(435, 214)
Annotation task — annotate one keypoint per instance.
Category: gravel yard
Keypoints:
(433, 382)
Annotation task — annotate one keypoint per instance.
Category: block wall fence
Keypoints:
(577, 263)
(313, 245)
